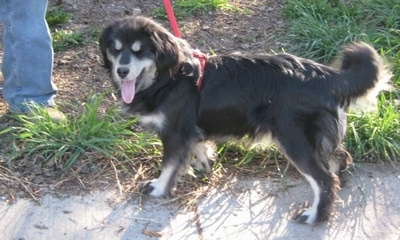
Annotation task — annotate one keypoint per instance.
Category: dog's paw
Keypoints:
(201, 156)
(305, 217)
(154, 189)
(309, 216)
(201, 164)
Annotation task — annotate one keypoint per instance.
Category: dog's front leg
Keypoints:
(174, 158)
(163, 185)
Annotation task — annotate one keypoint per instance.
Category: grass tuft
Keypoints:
(318, 30)
(64, 39)
(57, 16)
(61, 144)
(186, 8)
(375, 136)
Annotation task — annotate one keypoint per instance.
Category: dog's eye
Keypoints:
(136, 48)
(138, 53)
(117, 46)
(116, 50)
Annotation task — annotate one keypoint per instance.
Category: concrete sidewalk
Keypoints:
(252, 209)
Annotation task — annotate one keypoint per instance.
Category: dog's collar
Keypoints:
(202, 58)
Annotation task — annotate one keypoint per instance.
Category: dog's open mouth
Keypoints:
(128, 89)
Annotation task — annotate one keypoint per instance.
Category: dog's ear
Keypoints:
(105, 42)
(167, 49)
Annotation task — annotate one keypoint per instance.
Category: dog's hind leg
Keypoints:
(324, 184)
(340, 161)
(201, 154)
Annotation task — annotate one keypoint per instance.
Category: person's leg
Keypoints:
(28, 55)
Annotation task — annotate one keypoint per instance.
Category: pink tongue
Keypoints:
(128, 91)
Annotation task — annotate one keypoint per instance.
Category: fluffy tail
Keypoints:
(364, 74)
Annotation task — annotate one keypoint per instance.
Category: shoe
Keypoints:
(55, 114)
(35, 111)
(47, 112)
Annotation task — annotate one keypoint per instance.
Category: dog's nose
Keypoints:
(122, 72)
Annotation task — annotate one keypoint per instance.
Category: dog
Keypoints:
(299, 104)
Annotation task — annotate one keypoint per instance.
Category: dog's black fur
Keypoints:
(299, 104)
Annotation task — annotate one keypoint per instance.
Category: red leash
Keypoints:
(171, 17)
(196, 53)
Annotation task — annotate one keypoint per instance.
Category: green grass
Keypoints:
(63, 143)
(318, 30)
(57, 16)
(375, 135)
(64, 39)
(95, 32)
(186, 8)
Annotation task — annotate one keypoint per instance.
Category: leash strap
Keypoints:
(171, 17)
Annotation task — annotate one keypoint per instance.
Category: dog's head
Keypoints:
(137, 49)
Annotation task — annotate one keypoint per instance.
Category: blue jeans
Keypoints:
(27, 54)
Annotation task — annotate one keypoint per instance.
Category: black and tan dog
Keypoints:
(297, 103)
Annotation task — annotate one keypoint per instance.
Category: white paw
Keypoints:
(308, 216)
(201, 155)
(154, 188)
(163, 185)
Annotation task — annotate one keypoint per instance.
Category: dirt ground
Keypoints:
(78, 74)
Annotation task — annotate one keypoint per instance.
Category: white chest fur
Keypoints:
(155, 121)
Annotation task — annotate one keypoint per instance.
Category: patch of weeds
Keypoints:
(95, 32)
(241, 155)
(5, 130)
(394, 59)
(186, 8)
(64, 39)
(318, 30)
(375, 135)
(57, 16)
(61, 144)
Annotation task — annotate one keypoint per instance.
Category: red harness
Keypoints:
(202, 58)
